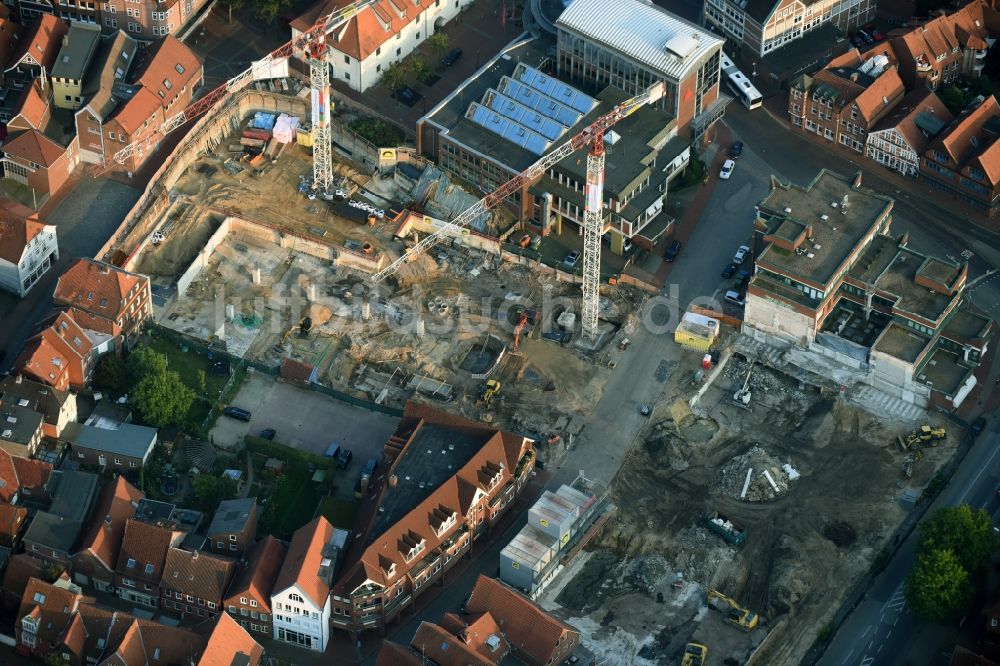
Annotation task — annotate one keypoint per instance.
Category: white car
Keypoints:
(736, 298)
(741, 254)
(727, 169)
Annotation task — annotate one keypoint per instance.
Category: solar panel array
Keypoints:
(531, 109)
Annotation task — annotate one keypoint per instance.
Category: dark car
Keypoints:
(977, 427)
(728, 271)
(742, 279)
(736, 149)
(344, 457)
(556, 335)
(407, 96)
(237, 413)
(673, 250)
(452, 57)
(268, 433)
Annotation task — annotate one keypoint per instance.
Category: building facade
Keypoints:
(301, 595)
(117, 301)
(27, 249)
(898, 141)
(248, 599)
(193, 584)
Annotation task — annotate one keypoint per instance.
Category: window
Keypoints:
(167, 84)
(253, 603)
(131, 563)
(220, 545)
(296, 598)
(232, 537)
(118, 461)
(347, 59)
(243, 600)
(347, 76)
(149, 568)
(179, 67)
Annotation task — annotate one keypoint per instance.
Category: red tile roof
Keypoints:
(104, 537)
(147, 545)
(34, 105)
(10, 32)
(33, 146)
(11, 520)
(528, 628)
(230, 644)
(20, 569)
(147, 643)
(42, 42)
(44, 359)
(301, 566)
(140, 108)
(53, 606)
(200, 575)
(256, 578)
(370, 28)
(904, 117)
(393, 654)
(18, 226)
(172, 67)
(17, 472)
(96, 287)
(446, 649)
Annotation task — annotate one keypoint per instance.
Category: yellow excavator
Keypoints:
(491, 389)
(695, 654)
(925, 435)
(736, 614)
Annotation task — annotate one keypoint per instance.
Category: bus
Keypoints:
(741, 86)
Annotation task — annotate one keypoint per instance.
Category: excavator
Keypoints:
(925, 435)
(736, 614)
(490, 390)
(303, 327)
(695, 654)
(522, 322)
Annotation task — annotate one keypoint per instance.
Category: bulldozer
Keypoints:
(925, 435)
(695, 654)
(736, 614)
(490, 390)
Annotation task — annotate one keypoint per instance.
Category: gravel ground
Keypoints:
(102, 203)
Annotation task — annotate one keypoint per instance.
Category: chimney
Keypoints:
(854, 76)
(66, 40)
(194, 555)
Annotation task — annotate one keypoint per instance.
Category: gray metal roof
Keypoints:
(127, 439)
(73, 493)
(231, 516)
(77, 51)
(52, 531)
(18, 423)
(642, 32)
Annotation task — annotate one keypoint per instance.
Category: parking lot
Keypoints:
(304, 420)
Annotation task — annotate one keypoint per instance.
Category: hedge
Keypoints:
(286, 453)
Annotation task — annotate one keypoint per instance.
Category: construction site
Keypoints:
(769, 494)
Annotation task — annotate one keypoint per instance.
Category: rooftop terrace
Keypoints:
(943, 372)
(898, 280)
(901, 342)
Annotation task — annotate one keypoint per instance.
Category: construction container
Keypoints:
(304, 137)
(250, 133)
(696, 332)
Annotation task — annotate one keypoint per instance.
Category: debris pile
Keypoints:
(755, 476)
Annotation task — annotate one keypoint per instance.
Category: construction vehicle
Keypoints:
(490, 390)
(521, 323)
(725, 527)
(742, 396)
(925, 435)
(695, 654)
(736, 614)
(595, 222)
(303, 327)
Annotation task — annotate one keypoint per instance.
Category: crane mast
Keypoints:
(593, 222)
(579, 141)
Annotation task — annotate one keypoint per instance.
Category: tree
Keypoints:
(419, 69)
(439, 43)
(395, 76)
(939, 588)
(162, 399)
(268, 10)
(110, 373)
(233, 4)
(55, 659)
(143, 362)
(954, 98)
(966, 533)
(210, 490)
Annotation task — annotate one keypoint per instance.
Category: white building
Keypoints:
(300, 600)
(901, 138)
(28, 248)
(379, 35)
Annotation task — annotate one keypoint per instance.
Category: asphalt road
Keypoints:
(882, 629)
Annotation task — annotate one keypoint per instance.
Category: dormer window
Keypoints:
(131, 563)
(296, 598)
(411, 544)
(149, 569)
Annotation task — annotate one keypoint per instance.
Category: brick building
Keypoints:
(140, 561)
(248, 599)
(117, 301)
(446, 483)
(233, 527)
(900, 138)
(193, 583)
(94, 562)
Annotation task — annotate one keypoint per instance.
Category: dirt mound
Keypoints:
(756, 460)
(841, 534)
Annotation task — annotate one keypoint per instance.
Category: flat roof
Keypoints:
(942, 372)
(53, 531)
(232, 515)
(837, 236)
(643, 33)
(966, 324)
(434, 456)
(74, 494)
(18, 424)
(123, 439)
(901, 342)
(556, 509)
(531, 547)
(899, 279)
(77, 50)
(877, 257)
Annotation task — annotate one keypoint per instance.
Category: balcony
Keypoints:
(425, 564)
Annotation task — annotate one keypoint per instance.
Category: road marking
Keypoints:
(982, 470)
(867, 661)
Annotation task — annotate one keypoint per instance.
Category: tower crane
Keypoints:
(312, 43)
(592, 136)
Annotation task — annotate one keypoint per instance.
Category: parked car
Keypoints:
(977, 427)
(735, 297)
(736, 149)
(645, 410)
(875, 33)
(673, 250)
(268, 433)
(344, 457)
(742, 279)
(572, 258)
(741, 255)
(452, 57)
(556, 335)
(727, 169)
(627, 246)
(728, 271)
(237, 413)
(407, 95)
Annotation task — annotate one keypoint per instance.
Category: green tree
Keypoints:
(268, 10)
(110, 373)
(395, 76)
(439, 43)
(51, 572)
(954, 98)
(142, 362)
(939, 588)
(965, 532)
(161, 398)
(210, 490)
(55, 659)
(419, 69)
(201, 381)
